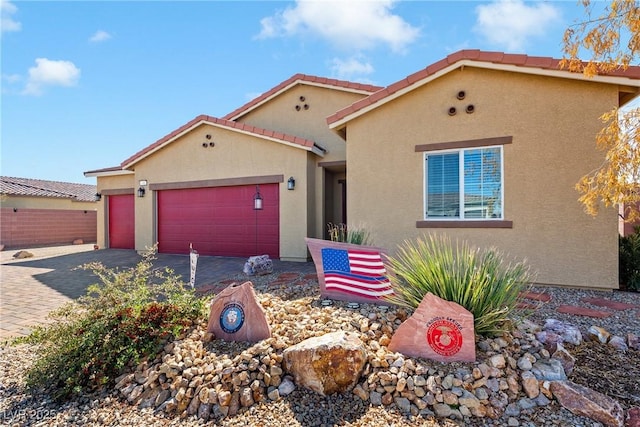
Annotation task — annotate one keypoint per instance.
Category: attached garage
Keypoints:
(219, 221)
(121, 221)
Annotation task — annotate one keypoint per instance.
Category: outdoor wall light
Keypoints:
(98, 196)
(257, 200)
(141, 192)
(291, 184)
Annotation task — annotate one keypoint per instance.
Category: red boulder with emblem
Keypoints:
(236, 315)
(438, 330)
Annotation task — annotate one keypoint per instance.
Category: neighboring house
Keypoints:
(36, 212)
(482, 146)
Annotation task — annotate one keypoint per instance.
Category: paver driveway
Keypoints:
(31, 288)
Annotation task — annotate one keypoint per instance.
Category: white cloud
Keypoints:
(100, 36)
(351, 69)
(48, 72)
(7, 9)
(347, 24)
(511, 23)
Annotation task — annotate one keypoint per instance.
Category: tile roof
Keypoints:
(470, 57)
(301, 79)
(228, 124)
(41, 188)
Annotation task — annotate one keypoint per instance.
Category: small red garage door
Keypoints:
(219, 221)
(121, 221)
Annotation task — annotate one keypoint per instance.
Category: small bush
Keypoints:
(355, 235)
(111, 329)
(629, 261)
(480, 281)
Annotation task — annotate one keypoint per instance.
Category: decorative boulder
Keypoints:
(438, 330)
(332, 363)
(236, 315)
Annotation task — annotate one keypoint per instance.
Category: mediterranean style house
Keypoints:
(482, 146)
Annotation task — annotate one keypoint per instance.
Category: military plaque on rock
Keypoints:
(236, 315)
(438, 330)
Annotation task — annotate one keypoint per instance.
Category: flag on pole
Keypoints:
(193, 261)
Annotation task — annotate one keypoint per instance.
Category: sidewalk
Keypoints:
(31, 288)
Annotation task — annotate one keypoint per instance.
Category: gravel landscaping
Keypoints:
(394, 390)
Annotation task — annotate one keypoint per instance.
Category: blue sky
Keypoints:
(87, 84)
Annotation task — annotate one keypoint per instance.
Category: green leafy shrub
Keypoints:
(110, 329)
(355, 235)
(480, 281)
(629, 260)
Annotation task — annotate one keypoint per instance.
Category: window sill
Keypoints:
(465, 224)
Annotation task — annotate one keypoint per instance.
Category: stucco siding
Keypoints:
(234, 155)
(310, 123)
(553, 123)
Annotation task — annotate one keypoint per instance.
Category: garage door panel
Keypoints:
(121, 221)
(219, 221)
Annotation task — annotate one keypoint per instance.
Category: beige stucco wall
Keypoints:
(235, 155)
(553, 123)
(105, 184)
(26, 202)
(280, 114)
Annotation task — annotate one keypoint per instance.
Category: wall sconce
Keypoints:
(257, 200)
(291, 184)
(141, 192)
(15, 209)
(98, 196)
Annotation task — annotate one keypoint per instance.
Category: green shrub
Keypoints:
(629, 260)
(480, 281)
(111, 329)
(355, 235)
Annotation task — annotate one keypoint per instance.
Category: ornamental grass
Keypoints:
(481, 281)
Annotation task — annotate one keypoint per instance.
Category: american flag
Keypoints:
(355, 272)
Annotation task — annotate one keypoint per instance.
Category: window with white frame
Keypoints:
(464, 184)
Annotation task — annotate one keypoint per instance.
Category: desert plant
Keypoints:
(353, 235)
(480, 281)
(111, 329)
(629, 260)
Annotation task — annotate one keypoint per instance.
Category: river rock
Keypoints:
(236, 315)
(331, 363)
(438, 330)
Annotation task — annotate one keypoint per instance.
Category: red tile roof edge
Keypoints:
(259, 132)
(301, 78)
(44, 188)
(477, 55)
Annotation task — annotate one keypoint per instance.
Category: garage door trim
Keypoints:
(223, 182)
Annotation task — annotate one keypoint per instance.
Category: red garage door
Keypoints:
(219, 221)
(121, 221)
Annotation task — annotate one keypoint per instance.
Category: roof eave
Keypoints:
(341, 122)
(134, 160)
(102, 172)
(242, 111)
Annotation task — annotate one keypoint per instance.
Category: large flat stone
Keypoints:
(588, 403)
(438, 330)
(583, 311)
